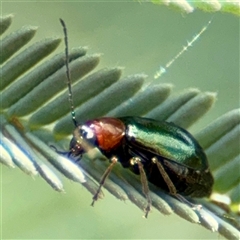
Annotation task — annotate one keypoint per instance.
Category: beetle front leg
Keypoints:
(114, 160)
(145, 188)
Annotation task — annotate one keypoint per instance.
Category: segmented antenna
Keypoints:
(70, 95)
(162, 70)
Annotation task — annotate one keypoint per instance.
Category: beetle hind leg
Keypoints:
(168, 181)
(171, 186)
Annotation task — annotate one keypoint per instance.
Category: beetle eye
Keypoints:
(86, 132)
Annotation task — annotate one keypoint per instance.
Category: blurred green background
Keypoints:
(140, 37)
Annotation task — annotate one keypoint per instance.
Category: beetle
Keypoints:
(161, 152)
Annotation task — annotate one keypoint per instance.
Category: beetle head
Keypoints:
(83, 140)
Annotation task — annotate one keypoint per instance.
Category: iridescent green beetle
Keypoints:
(161, 152)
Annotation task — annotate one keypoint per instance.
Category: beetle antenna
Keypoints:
(70, 95)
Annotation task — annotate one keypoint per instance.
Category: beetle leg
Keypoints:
(171, 187)
(168, 181)
(114, 160)
(145, 188)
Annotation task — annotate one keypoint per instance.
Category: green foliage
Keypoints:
(38, 92)
(232, 7)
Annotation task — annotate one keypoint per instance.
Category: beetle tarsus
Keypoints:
(95, 198)
(147, 210)
(182, 199)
